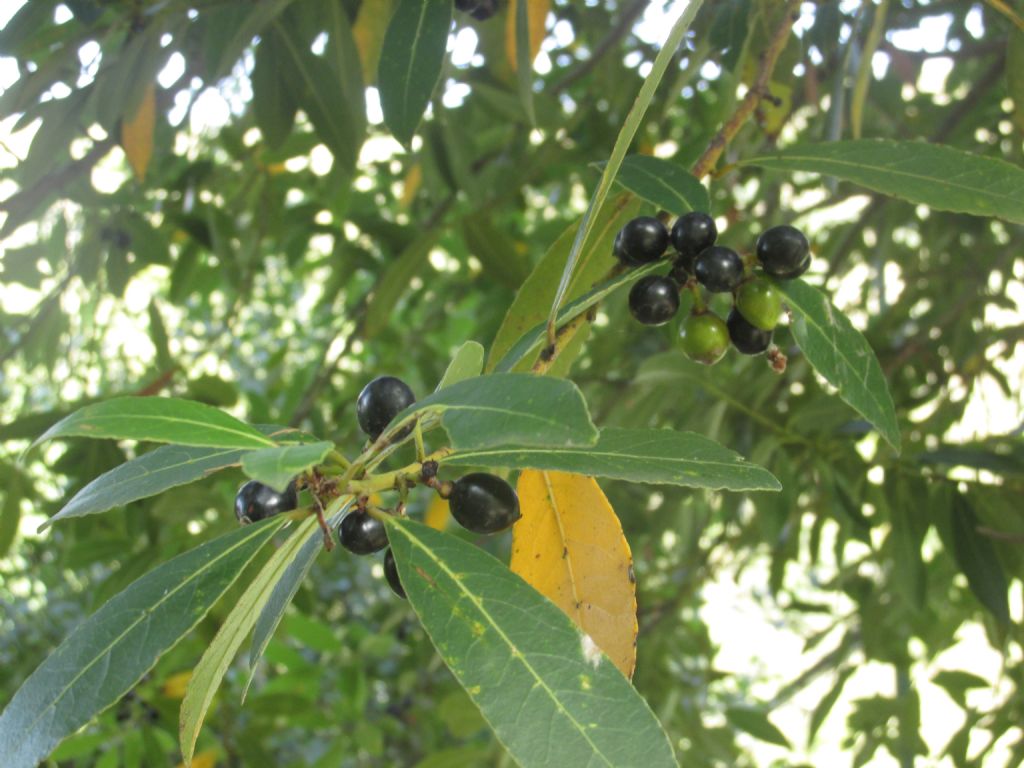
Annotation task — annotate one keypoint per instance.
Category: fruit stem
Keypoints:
(338, 459)
(699, 305)
(421, 451)
(390, 481)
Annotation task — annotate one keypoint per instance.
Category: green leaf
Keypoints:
(637, 455)
(551, 697)
(530, 306)
(842, 355)
(395, 282)
(942, 177)
(667, 185)
(531, 341)
(827, 702)
(278, 466)
(410, 62)
(160, 419)
(274, 101)
(111, 650)
(1015, 75)
(508, 409)
(10, 516)
(956, 682)
(210, 670)
(283, 592)
(977, 558)
(629, 128)
(757, 724)
(524, 62)
(242, 29)
(467, 364)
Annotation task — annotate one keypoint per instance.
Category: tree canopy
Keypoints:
(220, 220)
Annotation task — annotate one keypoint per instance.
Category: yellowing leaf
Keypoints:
(205, 759)
(437, 514)
(368, 33)
(137, 134)
(411, 185)
(175, 685)
(776, 110)
(569, 546)
(537, 13)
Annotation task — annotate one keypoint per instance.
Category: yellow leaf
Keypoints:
(537, 14)
(205, 759)
(175, 685)
(411, 185)
(437, 514)
(570, 547)
(137, 133)
(775, 111)
(368, 32)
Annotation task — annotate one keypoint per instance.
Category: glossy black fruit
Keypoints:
(391, 574)
(719, 269)
(693, 232)
(783, 251)
(256, 501)
(641, 241)
(654, 300)
(380, 401)
(481, 10)
(483, 503)
(361, 533)
(747, 338)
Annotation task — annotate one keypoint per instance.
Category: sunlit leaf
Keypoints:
(137, 133)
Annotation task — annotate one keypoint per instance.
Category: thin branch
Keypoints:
(616, 33)
(757, 92)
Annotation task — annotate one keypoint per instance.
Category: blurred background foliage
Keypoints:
(200, 200)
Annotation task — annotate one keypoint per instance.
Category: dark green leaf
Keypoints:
(410, 62)
(394, 282)
(842, 355)
(1015, 74)
(944, 178)
(637, 455)
(278, 466)
(108, 653)
(977, 558)
(522, 661)
(274, 100)
(10, 516)
(508, 409)
(160, 419)
(957, 683)
(757, 724)
(666, 184)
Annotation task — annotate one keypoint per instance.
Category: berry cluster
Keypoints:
(480, 502)
(781, 252)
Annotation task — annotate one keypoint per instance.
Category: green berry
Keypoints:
(760, 303)
(705, 338)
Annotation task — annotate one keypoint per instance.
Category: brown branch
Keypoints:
(616, 33)
(757, 92)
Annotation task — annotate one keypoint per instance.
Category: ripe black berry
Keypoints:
(380, 401)
(483, 503)
(481, 10)
(783, 251)
(747, 338)
(719, 269)
(391, 574)
(641, 241)
(693, 232)
(361, 533)
(654, 300)
(256, 501)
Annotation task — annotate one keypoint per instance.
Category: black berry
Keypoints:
(361, 533)
(481, 10)
(719, 269)
(256, 501)
(483, 503)
(693, 232)
(391, 574)
(380, 401)
(747, 338)
(654, 300)
(641, 241)
(783, 251)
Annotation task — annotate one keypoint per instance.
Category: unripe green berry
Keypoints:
(760, 303)
(705, 338)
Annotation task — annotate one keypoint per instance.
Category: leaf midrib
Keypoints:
(116, 418)
(486, 452)
(515, 653)
(407, 84)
